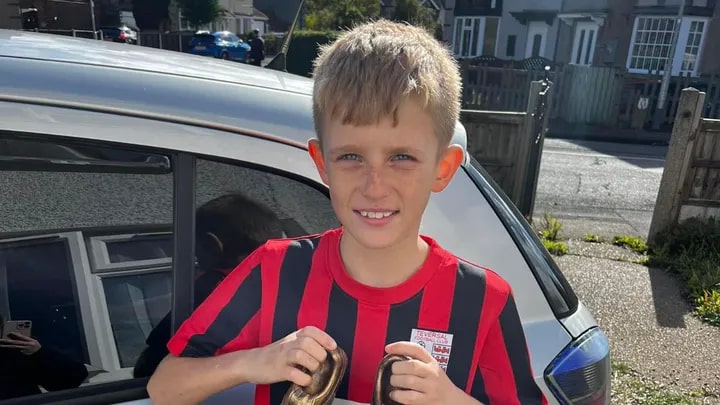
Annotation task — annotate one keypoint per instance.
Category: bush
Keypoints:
(304, 49)
(692, 251)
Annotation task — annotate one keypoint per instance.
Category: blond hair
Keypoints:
(364, 76)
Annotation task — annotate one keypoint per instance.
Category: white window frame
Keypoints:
(100, 342)
(536, 28)
(475, 51)
(102, 349)
(101, 257)
(582, 50)
(682, 39)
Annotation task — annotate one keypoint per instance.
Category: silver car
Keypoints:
(106, 151)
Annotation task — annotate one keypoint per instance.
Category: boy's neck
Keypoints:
(383, 267)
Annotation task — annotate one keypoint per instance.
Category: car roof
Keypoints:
(94, 74)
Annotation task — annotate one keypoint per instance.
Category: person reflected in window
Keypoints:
(227, 229)
(26, 365)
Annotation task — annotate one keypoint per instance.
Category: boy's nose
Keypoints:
(374, 186)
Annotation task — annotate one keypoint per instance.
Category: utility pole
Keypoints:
(659, 111)
(92, 17)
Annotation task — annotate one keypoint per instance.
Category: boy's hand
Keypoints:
(421, 380)
(280, 360)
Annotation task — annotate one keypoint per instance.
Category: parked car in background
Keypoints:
(222, 45)
(99, 188)
(121, 33)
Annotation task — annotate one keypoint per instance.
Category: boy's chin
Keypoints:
(375, 238)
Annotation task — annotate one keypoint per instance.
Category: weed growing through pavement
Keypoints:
(691, 250)
(550, 235)
(592, 238)
(635, 243)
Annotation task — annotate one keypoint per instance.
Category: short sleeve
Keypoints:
(229, 315)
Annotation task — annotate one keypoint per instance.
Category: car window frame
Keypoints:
(133, 388)
(528, 242)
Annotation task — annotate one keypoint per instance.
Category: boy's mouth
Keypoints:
(375, 214)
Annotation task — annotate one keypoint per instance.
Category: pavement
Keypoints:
(610, 189)
(649, 324)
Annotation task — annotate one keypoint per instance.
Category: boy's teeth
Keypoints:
(375, 214)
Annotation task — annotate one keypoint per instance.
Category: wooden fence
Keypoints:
(690, 185)
(509, 144)
(593, 95)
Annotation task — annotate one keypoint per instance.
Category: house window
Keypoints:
(510, 46)
(692, 46)
(475, 36)
(584, 43)
(652, 43)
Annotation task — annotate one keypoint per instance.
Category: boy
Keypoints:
(385, 102)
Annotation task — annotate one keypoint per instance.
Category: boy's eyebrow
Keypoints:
(390, 150)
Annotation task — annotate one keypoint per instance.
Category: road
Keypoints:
(597, 187)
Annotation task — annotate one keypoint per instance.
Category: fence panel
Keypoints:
(509, 144)
(690, 185)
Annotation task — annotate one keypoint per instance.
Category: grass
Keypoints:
(629, 387)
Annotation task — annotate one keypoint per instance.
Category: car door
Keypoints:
(97, 244)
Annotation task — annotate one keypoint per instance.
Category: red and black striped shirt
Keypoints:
(463, 314)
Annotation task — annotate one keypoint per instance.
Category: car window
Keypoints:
(237, 209)
(86, 247)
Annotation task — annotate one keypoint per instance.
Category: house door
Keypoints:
(584, 43)
(536, 39)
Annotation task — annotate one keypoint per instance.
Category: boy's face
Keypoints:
(381, 177)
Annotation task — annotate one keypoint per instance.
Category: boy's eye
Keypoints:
(349, 156)
(403, 156)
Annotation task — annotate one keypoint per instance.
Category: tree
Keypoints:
(150, 14)
(331, 15)
(415, 13)
(201, 12)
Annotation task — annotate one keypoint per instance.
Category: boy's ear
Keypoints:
(317, 157)
(450, 161)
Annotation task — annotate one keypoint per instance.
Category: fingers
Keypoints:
(410, 349)
(17, 336)
(319, 336)
(411, 367)
(299, 377)
(302, 358)
(13, 346)
(407, 382)
(406, 396)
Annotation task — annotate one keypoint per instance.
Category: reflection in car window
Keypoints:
(302, 208)
(242, 208)
(87, 258)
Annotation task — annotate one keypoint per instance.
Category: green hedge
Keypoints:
(304, 49)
